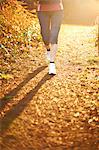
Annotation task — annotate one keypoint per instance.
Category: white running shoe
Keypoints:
(48, 55)
(52, 69)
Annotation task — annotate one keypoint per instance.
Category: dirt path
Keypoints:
(55, 112)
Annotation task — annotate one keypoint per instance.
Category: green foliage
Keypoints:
(8, 97)
(19, 30)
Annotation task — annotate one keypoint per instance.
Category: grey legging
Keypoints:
(50, 22)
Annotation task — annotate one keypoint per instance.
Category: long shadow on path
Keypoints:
(9, 96)
(12, 114)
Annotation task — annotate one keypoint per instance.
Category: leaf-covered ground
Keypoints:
(43, 112)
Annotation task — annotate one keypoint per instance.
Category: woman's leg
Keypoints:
(56, 20)
(44, 20)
